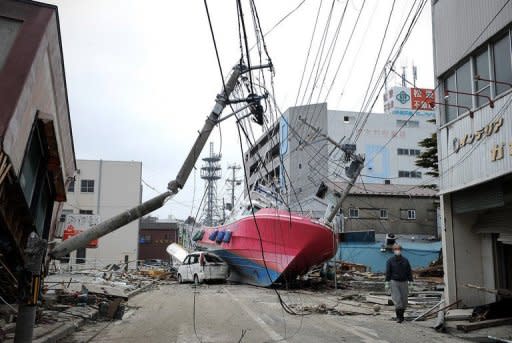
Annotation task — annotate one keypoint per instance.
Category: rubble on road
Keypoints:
(71, 298)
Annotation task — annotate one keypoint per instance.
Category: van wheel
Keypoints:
(196, 279)
(180, 280)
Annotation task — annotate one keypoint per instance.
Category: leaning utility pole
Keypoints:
(118, 221)
(233, 182)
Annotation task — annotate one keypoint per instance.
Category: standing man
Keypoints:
(399, 274)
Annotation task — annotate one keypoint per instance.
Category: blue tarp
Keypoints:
(419, 254)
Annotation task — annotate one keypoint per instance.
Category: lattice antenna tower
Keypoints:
(211, 172)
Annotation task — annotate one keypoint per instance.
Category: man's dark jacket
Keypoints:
(398, 269)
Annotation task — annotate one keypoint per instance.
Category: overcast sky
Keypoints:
(142, 74)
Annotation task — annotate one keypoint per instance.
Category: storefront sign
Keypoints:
(470, 138)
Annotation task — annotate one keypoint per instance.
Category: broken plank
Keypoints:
(459, 314)
(484, 324)
(379, 299)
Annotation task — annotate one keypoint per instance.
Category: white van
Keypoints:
(202, 266)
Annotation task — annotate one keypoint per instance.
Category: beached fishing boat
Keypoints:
(271, 246)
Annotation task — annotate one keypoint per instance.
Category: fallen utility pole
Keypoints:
(118, 221)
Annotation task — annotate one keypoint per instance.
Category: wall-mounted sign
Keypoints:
(470, 138)
(409, 101)
(77, 223)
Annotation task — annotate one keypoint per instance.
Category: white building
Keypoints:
(105, 189)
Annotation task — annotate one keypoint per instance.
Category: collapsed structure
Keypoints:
(37, 158)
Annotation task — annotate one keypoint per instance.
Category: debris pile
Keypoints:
(69, 299)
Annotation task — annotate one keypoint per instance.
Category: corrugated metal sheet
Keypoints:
(497, 220)
(489, 196)
(457, 23)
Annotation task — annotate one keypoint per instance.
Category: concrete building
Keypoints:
(472, 55)
(103, 189)
(154, 237)
(385, 208)
(37, 157)
(295, 155)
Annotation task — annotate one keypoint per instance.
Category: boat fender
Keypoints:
(227, 236)
(220, 236)
(213, 235)
(198, 235)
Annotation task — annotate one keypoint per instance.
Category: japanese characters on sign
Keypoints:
(409, 101)
(469, 138)
(76, 223)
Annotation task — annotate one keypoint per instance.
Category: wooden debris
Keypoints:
(484, 324)
(379, 299)
(459, 314)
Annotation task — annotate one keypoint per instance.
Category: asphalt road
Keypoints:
(225, 313)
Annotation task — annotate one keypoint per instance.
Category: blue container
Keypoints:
(213, 235)
(220, 236)
(227, 236)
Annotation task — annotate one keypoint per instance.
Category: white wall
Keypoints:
(117, 188)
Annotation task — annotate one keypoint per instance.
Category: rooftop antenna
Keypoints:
(404, 76)
(414, 75)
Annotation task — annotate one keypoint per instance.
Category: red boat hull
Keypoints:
(271, 246)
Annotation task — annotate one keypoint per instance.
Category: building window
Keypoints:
(412, 174)
(145, 239)
(502, 64)
(71, 186)
(346, 119)
(416, 174)
(463, 75)
(407, 123)
(383, 213)
(353, 212)
(482, 70)
(85, 212)
(87, 186)
(404, 173)
(409, 152)
(63, 215)
(411, 214)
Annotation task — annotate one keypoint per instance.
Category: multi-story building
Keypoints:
(296, 156)
(154, 237)
(104, 189)
(473, 67)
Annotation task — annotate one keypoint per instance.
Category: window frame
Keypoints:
(353, 212)
(411, 214)
(385, 211)
(494, 92)
(87, 186)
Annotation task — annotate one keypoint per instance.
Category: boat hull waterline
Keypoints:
(289, 246)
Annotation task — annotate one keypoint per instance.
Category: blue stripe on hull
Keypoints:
(244, 270)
